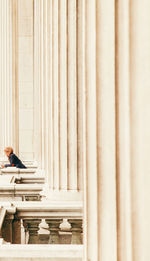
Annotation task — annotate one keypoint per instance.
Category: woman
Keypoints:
(13, 159)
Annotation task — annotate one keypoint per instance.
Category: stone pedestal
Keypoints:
(54, 230)
(33, 226)
(7, 229)
(16, 233)
(76, 228)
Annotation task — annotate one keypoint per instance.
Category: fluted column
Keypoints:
(100, 164)
(57, 63)
(140, 127)
(37, 97)
(72, 96)
(8, 75)
(91, 234)
(123, 126)
(63, 93)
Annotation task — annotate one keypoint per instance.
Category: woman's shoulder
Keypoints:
(12, 155)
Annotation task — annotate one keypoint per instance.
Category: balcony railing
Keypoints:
(64, 217)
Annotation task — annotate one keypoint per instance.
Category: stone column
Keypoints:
(8, 75)
(123, 128)
(25, 79)
(76, 229)
(54, 230)
(57, 63)
(100, 156)
(72, 96)
(43, 97)
(140, 127)
(33, 226)
(63, 93)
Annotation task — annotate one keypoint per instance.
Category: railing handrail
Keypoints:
(47, 209)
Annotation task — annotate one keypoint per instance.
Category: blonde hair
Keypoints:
(8, 149)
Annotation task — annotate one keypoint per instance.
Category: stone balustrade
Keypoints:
(31, 215)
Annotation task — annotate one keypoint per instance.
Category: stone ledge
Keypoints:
(29, 179)
(14, 192)
(14, 170)
(46, 252)
(41, 210)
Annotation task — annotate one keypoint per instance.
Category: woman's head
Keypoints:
(8, 151)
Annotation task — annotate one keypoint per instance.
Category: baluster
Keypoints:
(54, 230)
(44, 233)
(33, 226)
(76, 229)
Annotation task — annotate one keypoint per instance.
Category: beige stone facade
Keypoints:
(74, 104)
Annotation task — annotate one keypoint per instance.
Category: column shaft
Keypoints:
(140, 126)
(72, 96)
(7, 74)
(55, 95)
(100, 181)
(63, 92)
(123, 131)
(91, 153)
(57, 62)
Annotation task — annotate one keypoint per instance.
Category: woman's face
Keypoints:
(7, 153)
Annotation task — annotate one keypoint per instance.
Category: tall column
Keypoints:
(100, 165)
(37, 76)
(25, 78)
(91, 233)
(43, 96)
(123, 131)
(57, 59)
(140, 127)
(72, 96)
(63, 93)
(8, 75)
(80, 89)
(55, 95)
